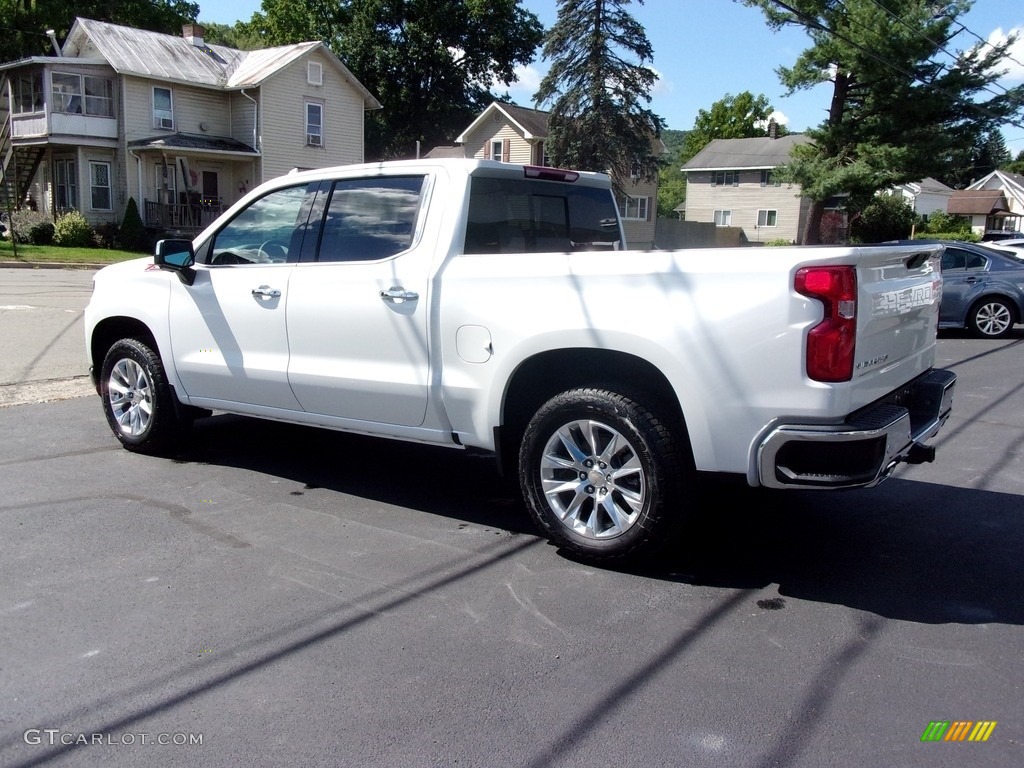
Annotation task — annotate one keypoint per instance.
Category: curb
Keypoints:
(48, 265)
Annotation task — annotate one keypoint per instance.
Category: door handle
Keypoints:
(266, 292)
(398, 294)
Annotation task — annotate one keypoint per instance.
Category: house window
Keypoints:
(314, 73)
(542, 154)
(634, 208)
(768, 179)
(66, 183)
(163, 109)
(767, 218)
(314, 125)
(99, 185)
(99, 96)
(725, 178)
(496, 150)
(28, 92)
(723, 218)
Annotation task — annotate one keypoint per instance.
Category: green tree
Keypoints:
(886, 217)
(900, 106)
(1017, 166)
(597, 87)
(25, 21)
(431, 63)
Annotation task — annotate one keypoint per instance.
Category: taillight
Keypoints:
(549, 174)
(830, 344)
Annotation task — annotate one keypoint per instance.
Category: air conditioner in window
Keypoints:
(314, 139)
(165, 122)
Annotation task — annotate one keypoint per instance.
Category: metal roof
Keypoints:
(736, 154)
(142, 53)
(187, 141)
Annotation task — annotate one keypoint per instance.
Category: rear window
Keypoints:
(524, 216)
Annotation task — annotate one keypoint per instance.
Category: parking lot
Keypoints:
(273, 595)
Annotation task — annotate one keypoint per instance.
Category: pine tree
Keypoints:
(598, 85)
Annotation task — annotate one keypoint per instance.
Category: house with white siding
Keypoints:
(993, 203)
(733, 183)
(183, 127)
(514, 134)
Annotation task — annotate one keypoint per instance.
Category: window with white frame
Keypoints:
(769, 179)
(28, 92)
(723, 218)
(314, 73)
(314, 124)
(725, 178)
(82, 94)
(634, 208)
(65, 184)
(497, 150)
(767, 217)
(99, 186)
(163, 109)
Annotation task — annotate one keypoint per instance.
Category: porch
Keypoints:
(187, 216)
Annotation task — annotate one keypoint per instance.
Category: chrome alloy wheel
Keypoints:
(993, 318)
(130, 397)
(593, 479)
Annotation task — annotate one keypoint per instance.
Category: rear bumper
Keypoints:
(866, 447)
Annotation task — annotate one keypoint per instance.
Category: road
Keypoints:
(293, 597)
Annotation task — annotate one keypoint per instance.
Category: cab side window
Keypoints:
(266, 232)
(370, 219)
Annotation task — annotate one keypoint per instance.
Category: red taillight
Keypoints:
(549, 174)
(830, 344)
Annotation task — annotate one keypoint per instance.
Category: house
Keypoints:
(183, 127)
(993, 203)
(925, 197)
(514, 134)
(732, 182)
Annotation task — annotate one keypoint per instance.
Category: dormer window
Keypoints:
(163, 109)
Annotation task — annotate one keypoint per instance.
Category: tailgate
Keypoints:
(898, 293)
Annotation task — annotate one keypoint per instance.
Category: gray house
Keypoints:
(183, 127)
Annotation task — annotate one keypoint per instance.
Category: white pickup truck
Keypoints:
(477, 303)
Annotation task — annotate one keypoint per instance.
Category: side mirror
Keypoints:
(178, 257)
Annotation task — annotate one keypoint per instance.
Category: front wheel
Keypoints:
(602, 476)
(992, 318)
(137, 398)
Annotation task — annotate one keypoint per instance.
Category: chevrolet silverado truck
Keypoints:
(473, 303)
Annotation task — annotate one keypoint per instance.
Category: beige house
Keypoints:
(515, 134)
(994, 203)
(731, 182)
(183, 127)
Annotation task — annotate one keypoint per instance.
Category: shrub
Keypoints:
(964, 237)
(73, 231)
(941, 222)
(22, 223)
(105, 235)
(132, 235)
(779, 241)
(41, 233)
(886, 217)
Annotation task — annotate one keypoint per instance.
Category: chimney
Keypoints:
(773, 129)
(194, 34)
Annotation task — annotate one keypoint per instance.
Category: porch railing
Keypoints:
(185, 216)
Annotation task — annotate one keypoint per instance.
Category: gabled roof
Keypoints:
(174, 59)
(532, 123)
(1012, 183)
(977, 201)
(927, 185)
(760, 152)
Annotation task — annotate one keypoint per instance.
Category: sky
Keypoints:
(707, 49)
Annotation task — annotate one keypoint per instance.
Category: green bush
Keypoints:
(132, 235)
(886, 217)
(73, 231)
(780, 241)
(41, 233)
(965, 237)
(940, 222)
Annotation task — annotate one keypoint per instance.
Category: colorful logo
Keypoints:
(958, 730)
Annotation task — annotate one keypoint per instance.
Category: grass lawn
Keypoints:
(52, 253)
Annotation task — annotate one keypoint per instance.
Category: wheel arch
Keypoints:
(110, 330)
(544, 375)
(1010, 301)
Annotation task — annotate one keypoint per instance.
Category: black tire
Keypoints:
(600, 501)
(137, 400)
(991, 318)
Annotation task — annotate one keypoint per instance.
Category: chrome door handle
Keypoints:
(266, 292)
(399, 294)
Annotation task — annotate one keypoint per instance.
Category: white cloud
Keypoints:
(1014, 62)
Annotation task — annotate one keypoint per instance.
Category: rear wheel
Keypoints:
(602, 476)
(137, 398)
(992, 318)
